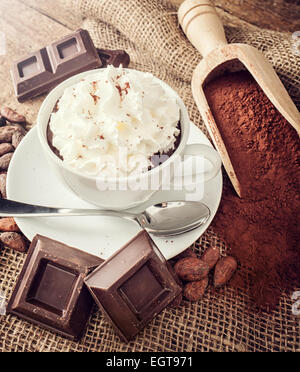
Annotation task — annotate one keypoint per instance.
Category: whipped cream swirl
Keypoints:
(111, 123)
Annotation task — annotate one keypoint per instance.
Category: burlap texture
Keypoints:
(224, 320)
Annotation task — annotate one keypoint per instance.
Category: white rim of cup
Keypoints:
(42, 128)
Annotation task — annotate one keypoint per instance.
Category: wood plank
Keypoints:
(281, 15)
(25, 30)
(56, 10)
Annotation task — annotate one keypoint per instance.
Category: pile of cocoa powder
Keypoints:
(261, 228)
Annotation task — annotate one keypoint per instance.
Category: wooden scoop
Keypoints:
(201, 24)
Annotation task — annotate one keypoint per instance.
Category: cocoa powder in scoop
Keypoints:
(262, 228)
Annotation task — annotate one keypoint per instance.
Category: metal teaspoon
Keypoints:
(164, 219)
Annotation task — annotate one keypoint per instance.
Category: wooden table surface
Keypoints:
(28, 28)
(281, 15)
(30, 24)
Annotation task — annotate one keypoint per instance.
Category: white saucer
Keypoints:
(31, 180)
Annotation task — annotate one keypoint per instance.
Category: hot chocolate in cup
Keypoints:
(122, 191)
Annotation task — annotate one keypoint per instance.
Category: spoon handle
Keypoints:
(10, 208)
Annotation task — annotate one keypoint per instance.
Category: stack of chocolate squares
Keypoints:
(59, 284)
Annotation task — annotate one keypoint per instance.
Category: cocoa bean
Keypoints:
(191, 269)
(8, 224)
(19, 128)
(211, 256)
(14, 241)
(187, 253)
(3, 177)
(7, 132)
(5, 148)
(12, 116)
(5, 160)
(224, 270)
(17, 138)
(194, 291)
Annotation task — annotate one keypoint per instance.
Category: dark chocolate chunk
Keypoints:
(133, 286)
(114, 57)
(50, 290)
(43, 70)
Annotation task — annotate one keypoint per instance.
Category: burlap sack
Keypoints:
(224, 320)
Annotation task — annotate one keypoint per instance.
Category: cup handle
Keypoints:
(209, 154)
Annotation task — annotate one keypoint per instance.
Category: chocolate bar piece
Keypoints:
(113, 57)
(50, 290)
(133, 286)
(43, 70)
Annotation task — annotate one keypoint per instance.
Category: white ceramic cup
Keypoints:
(91, 188)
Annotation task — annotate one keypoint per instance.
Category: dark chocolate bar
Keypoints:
(133, 286)
(50, 290)
(114, 57)
(43, 70)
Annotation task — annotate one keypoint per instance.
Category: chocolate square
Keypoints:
(133, 286)
(73, 54)
(46, 290)
(50, 290)
(68, 48)
(46, 68)
(29, 74)
(137, 292)
(28, 67)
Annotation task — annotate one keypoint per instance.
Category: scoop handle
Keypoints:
(202, 25)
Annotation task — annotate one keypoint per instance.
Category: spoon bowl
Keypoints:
(174, 218)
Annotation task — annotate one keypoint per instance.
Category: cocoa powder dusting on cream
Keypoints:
(95, 98)
(124, 89)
